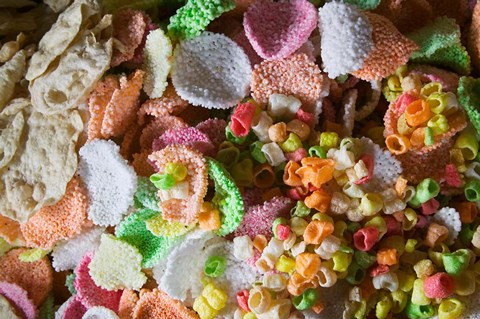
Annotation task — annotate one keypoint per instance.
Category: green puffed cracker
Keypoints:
(146, 195)
(469, 97)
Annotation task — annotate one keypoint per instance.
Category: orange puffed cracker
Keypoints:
(159, 305)
(391, 50)
(183, 210)
(474, 37)
(169, 103)
(127, 303)
(141, 165)
(10, 230)
(35, 277)
(113, 105)
(62, 220)
(157, 127)
(295, 75)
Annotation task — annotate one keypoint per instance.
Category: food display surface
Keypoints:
(239, 159)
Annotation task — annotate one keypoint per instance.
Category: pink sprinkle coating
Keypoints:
(251, 197)
(214, 128)
(75, 309)
(156, 128)
(19, 297)
(295, 75)
(189, 136)
(258, 219)
(88, 293)
(277, 29)
(427, 73)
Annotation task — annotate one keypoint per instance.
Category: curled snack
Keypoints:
(176, 209)
(346, 38)
(295, 75)
(157, 63)
(133, 230)
(191, 19)
(227, 198)
(128, 28)
(220, 76)
(189, 136)
(20, 299)
(450, 218)
(391, 50)
(277, 29)
(36, 278)
(111, 183)
(157, 304)
(117, 265)
(89, 294)
(373, 97)
(60, 221)
(67, 254)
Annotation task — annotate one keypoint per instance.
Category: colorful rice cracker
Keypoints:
(19, 298)
(227, 198)
(474, 37)
(157, 304)
(469, 98)
(186, 208)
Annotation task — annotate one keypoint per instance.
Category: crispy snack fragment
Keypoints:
(157, 304)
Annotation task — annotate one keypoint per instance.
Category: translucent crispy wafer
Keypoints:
(391, 50)
(157, 304)
(60, 221)
(128, 28)
(183, 210)
(277, 29)
(36, 278)
(89, 294)
(295, 75)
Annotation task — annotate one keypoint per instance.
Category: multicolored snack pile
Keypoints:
(240, 159)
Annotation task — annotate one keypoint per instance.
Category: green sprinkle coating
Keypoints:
(227, 197)
(191, 19)
(69, 283)
(133, 230)
(46, 310)
(440, 44)
(469, 97)
(146, 195)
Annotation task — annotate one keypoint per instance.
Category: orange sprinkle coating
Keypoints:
(157, 127)
(392, 50)
(10, 230)
(184, 210)
(169, 103)
(127, 303)
(295, 75)
(62, 220)
(141, 165)
(474, 37)
(157, 304)
(129, 144)
(36, 277)
(97, 103)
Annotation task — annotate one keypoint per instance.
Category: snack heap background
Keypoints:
(239, 159)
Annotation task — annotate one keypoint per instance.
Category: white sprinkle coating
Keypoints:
(157, 63)
(110, 181)
(449, 218)
(346, 38)
(211, 70)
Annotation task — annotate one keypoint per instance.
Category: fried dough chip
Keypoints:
(12, 122)
(10, 74)
(43, 165)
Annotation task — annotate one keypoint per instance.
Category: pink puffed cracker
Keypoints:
(88, 293)
(277, 29)
(19, 297)
(258, 219)
(295, 75)
(188, 136)
(215, 130)
(156, 128)
(74, 309)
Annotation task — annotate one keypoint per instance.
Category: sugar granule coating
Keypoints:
(7, 309)
(10, 230)
(346, 38)
(110, 181)
(97, 104)
(89, 293)
(449, 218)
(67, 254)
(277, 29)
(258, 219)
(189, 136)
(391, 50)
(99, 312)
(19, 298)
(474, 37)
(242, 40)
(168, 103)
(141, 164)
(36, 278)
(183, 210)
(214, 128)
(469, 98)
(127, 303)
(157, 304)
(117, 265)
(162, 228)
(133, 230)
(295, 75)
(156, 128)
(128, 28)
(227, 197)
(146, 195)
(211, 71)
(60, 221)
(157, 63)
(74, 309)
(191, 19)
